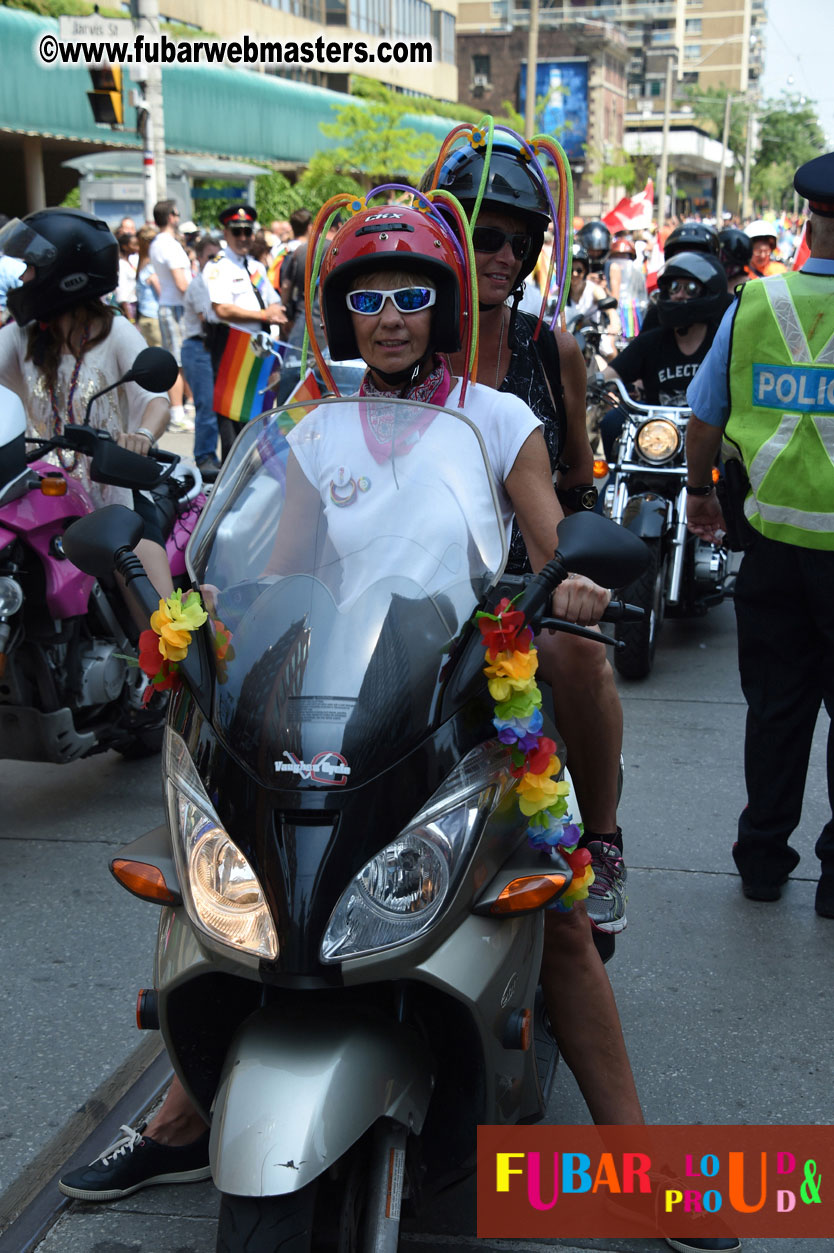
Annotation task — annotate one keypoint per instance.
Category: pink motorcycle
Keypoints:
(66, 688)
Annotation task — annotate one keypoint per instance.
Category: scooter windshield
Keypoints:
(343, 549)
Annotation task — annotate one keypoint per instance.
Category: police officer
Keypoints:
(240, 293)
(775, 408)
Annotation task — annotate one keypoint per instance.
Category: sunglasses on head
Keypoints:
(689, 286)
(241, 230)
(406, 299)
(491, 239)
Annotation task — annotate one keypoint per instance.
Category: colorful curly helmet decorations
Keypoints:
(409, 235)
(499, 169)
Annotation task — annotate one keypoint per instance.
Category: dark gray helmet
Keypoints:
(75, 256)
(691, 237)
(707, 305)
(596, 237)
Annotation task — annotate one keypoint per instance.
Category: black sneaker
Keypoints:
(824, 901)
(729, 1245)
(136, 1162)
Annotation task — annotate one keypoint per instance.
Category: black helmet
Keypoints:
(596, 237)
(580, 253)
(511, 185)
(708, 305)
(75, 256)
(691, 237)
(736, 250)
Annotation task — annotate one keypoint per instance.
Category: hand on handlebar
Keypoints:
(134, 442)
(579, 600)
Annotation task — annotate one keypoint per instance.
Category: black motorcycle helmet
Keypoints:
(75, 256)
(580, 254)
(511, 186)
(691, 237)
(705, 306)
(596, 237)
(736, 250)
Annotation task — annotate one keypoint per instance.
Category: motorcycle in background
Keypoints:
(685, 575)
(65, 691)
(352, 923)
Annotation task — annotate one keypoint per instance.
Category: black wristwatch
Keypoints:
(583, 496)
(706, 490)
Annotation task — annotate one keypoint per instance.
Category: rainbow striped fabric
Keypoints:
(274, 268)
(241, 389)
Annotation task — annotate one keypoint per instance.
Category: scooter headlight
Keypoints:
(400, 893)
(11, 597)
(658, 440)
(220, 890)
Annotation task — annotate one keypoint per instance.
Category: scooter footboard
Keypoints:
(299, 1088)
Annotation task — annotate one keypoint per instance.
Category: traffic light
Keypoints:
(106, 96)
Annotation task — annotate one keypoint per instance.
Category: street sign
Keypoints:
(218, 193)
(75, 29)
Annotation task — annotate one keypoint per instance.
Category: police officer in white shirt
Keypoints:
(241, 295)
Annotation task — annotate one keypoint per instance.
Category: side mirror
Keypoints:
(155, 369)
(601, 550)
(93, 541)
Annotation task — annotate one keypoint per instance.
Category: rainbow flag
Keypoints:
(241, 389)
(272, 442)
(273, 270)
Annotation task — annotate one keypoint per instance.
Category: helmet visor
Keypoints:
(19, 240)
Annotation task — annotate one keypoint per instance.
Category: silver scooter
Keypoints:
(352, 925)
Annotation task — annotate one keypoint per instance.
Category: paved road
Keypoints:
(725, 1002)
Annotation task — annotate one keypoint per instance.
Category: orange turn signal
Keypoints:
(54, 485)
(600, 468)
(716, 474)
(143, 880)
(529, 892)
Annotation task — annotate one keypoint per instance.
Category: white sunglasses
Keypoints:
(406, 299)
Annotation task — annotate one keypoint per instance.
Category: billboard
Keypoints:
(564, 85)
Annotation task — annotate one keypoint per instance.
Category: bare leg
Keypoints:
(155, 561)
(583, 1013)
(177, 1121)
(590, 718)
(176, 392)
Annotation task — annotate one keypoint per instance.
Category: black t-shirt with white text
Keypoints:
(666, 372)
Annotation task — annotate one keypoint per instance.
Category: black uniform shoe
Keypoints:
(730, 1245)
(209, 469)
(136, 1162)
(824, 903)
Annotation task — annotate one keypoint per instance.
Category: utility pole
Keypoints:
(145, 14)
(746, 209)
(719, 193)
(664, 150)
(532, 62)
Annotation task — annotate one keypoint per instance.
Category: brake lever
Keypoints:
(571, 628)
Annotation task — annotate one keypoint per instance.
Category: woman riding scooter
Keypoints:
(67, 345)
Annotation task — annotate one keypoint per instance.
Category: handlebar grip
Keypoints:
(161, 454)
(620, 611)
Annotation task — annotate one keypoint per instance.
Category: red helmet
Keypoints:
(623, 247)
(391, 237)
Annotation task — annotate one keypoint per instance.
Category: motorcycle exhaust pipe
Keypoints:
(678, 547)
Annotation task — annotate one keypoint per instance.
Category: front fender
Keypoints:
(299, 1088)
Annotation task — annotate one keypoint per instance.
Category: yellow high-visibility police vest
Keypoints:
(781, 380)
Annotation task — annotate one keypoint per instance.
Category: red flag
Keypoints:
(803, 252)
(633, 213)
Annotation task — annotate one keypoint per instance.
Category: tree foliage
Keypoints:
(616, 169)
(708, 106)
(789, 135)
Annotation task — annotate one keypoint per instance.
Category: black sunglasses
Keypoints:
(242, 231)
(491, 239)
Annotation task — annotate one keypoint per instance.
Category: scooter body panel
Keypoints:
(297, 1091)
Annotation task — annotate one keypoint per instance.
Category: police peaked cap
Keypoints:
(815, 181)
(238, 215)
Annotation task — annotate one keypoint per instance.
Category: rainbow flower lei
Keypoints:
(511, 672)
(166, 643)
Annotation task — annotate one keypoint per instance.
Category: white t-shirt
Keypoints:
(197, 307)
(440, 480)
(120, 410)
(167, 255)
(229, 283)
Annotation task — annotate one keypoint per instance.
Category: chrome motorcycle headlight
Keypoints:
(11, 596)
(401, 892)
(220, 889)
(658, 440)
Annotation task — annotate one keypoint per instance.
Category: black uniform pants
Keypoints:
(784, 603)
